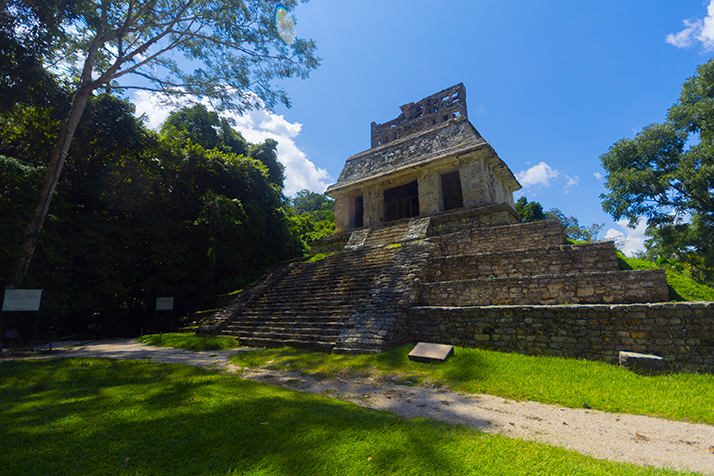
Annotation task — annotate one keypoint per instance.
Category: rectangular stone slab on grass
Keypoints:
(646, 364)
(424, 352)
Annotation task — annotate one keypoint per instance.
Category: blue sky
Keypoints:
(550, 85)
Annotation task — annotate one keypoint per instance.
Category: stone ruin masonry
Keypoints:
(429, 248)
(401, 294)
(425, 114)
(681, 332)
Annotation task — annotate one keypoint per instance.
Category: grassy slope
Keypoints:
(92, 416)
(681, 286)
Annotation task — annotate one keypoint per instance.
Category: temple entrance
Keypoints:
(451, 190)
(359, 212)
(401, 202)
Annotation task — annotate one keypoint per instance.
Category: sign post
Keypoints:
(164, 304)
(22, 300)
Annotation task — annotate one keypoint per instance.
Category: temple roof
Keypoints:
(437, 127)
(457, 137)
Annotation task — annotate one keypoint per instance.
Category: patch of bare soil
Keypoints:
(635, 439)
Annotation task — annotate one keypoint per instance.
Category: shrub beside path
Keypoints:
(641, 440)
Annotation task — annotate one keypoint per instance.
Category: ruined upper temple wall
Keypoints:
(423, 115)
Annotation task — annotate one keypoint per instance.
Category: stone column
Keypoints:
(342, 214)
(473, 188)
(373, 206)
(431, 199)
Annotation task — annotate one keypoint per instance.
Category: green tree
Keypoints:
(533, 211)
(235, 44)
(665, 175)
(267, 153)
(138, 215)
(529, 211)
(27, 30)
(205, 128)
(572, 227)
(18, 192)
(313, 215)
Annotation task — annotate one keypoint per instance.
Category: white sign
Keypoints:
(164, 304)
(22, 300)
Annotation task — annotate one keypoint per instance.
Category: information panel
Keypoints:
(22, 300)
(164, 304)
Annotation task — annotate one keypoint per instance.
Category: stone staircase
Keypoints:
(312, 305)
(358, 300)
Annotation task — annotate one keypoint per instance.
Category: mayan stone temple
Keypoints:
(428, 248)
(428, 160)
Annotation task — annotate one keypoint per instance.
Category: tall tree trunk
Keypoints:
(59, 154)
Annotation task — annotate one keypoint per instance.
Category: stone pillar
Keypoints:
(473, 188)
(373, 206)
(342, 214)
(431, 199)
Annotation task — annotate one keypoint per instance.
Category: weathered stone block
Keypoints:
(425, 352)
(645, 364)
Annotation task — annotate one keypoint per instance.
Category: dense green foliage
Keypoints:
(232, 52)
(665, 175)
(138, 215)
(313, 215)
(28, 29)
(533, 211)
(566, 382)
(91, 416)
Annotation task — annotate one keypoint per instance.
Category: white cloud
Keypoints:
(597, 175)
(536, 176)
(696, 31)
(300, 172)
(255, 126)
(628, 240)
(150, 107)
(571, 182)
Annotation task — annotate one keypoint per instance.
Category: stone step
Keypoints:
(563, 259)
(613, 287)
(495, 239)
(355, 350)
(284, 334)
(325, 345)
(281, 334)
(302, 306)
(297, 326)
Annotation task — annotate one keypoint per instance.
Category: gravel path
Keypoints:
(627, 438)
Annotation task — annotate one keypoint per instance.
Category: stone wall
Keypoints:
(563, 259)
(435, 109)
(682, 332)
(494, 239)
(592, 288)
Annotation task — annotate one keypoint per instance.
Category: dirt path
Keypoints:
(627, 438)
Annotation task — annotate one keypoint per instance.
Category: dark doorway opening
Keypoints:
(401, 202)
(451, 190)
(359, 212)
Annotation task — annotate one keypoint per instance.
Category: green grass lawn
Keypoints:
(189, 341)
(96, 416)
(567, 382)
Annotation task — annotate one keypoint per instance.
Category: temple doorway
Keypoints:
(401, 202)
(451, 190)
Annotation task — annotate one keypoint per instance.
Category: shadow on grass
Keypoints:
(97, 416)
(115, 417)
